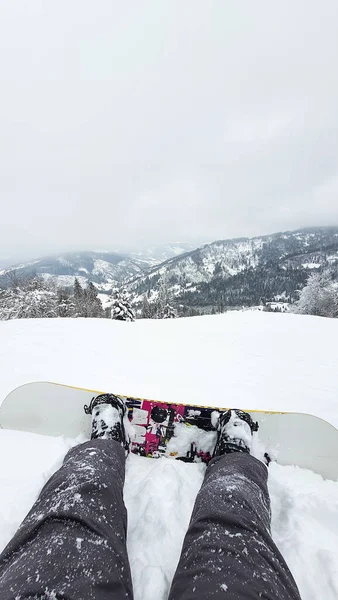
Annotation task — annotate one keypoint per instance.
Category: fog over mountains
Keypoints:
(233, 272)
(98, 266)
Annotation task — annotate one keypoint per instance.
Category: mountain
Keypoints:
(244, 271)
(225, 273)
(155, 255)
(100, 267)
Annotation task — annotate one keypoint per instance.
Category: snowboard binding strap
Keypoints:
(225, 417)
(114, 401)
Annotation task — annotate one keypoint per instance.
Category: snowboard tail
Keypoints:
(174, 430)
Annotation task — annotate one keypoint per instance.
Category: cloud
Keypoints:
(126, 124)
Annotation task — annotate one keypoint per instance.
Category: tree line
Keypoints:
(35, 297)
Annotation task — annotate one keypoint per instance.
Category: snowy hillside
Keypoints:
(102, 268)
(242, 271)
(99, 267)
(155, 255)
(245, 359)
(226, 273)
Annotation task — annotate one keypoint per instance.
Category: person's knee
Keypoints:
(93, 449)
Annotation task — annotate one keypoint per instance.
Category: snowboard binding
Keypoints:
(234, 432)
(105, 399)
(108, 412)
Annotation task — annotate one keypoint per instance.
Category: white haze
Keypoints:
(137, 123)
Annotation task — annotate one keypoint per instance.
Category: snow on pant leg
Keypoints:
(72, 544)
(228, 551)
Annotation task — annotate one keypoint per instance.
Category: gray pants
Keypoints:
(72, 544)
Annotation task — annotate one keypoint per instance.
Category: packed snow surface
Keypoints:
(248, 360)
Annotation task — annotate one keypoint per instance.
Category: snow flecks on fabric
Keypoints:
(229, 535)
(240, 487)
(59, 533)
(79, 543)
(304, 510)
(67, 496)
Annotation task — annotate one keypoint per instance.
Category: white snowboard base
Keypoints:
(57, 410)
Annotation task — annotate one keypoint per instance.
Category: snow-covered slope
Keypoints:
(242, 271)
(155, 255)
(225, 273)
(99, 267)
(248, 359)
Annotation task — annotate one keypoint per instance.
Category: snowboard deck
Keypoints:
(173, 430)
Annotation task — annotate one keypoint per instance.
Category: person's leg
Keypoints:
(72, 544)
(228, 546)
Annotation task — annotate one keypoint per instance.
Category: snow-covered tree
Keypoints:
(65, 303)
(93, 303)
(79, 299)
(319, 297)
(164, 305)
(37, 298)
(121, 309)
(169, 312)
(147, 310)
(86, 301)
(29, 299)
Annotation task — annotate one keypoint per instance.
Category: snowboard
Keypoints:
(173, 430)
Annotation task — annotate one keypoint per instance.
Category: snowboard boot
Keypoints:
(108, 412)
(234, 432)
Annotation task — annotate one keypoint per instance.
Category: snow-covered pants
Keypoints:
(72, 544)
(228, 552)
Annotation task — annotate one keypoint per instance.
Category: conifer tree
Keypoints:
(146, 309)
(121, 309)
(169, 312)
(65, 303)
(164, 307)
(79, 299)
(94, 305)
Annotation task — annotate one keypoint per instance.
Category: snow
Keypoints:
(104, 269)
(65, 280)
(246, 359)
(64, 262)
(311, 265)
(20, 266)
(282, 306)
(156, 255)
(234, 256)
(105, 300)
(332, 259)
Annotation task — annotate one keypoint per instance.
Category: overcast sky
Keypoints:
(124, 124)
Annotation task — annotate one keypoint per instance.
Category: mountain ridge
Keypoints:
(103, 267)
(224, 273)
(244, 270)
